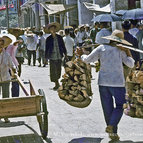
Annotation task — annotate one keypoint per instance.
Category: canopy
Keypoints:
(96, 7)
(57, 8)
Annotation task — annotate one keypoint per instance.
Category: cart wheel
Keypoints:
(43, 119)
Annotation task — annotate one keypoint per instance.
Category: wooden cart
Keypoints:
(31, 105)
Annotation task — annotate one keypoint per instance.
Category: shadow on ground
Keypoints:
(98, 140)
(128, 141)
(24, 138)
(86, 140)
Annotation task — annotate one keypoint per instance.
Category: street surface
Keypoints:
(67, 124)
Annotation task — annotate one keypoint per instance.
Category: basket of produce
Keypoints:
(134, 105)
(76, 84)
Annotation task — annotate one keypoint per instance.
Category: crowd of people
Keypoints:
(55, 47)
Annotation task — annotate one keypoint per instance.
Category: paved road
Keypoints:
(67, 124)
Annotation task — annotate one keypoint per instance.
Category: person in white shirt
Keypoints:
(103, 32)
(31, 42)
(87, 30)
(111, 79)
(69, 44)
(81, 35)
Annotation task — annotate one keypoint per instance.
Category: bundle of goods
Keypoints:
(76, 84)
(134, 106)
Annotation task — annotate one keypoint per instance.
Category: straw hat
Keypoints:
(8, 39)
(48, 26)
(117, 36)
(29, 34)
(68, 27)
(81, 26)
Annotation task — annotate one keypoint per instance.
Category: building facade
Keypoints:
(74, 17)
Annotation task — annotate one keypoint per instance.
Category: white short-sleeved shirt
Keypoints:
(69, 43)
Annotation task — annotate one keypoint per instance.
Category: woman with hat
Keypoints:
(111, 78)
(5, 64)
(55, 50)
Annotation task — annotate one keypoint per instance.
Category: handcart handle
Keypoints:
(21, 84)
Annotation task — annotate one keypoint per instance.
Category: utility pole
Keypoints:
(7, 14)
(141, 1)
(113, 10)
(37, 17)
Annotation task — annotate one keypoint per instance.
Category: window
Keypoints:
(132, 4)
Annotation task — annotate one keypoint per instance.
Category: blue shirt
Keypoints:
(111, 68)
(131, 39)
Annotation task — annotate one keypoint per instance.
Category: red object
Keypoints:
(4, 7)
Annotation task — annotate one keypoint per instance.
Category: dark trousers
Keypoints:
(41, 56)
(112, 114)
(5, 89)
(55, 70)
(30, 53)
(15, 89)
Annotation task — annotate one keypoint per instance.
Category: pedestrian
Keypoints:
(5, 65)
(104, 31)
(31, 43)
(94, 31)
(20, 54)
(111, 78)
(139, 37)
(81, 35)
(69, 44)
(41, 49)
(87, 30)
(134, 30)
(11, 50)
(126, 25)
(55, 50)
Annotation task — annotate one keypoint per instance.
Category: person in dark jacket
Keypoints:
(126, 25)
(55, 50)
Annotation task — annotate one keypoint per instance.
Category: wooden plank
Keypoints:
(20, 107)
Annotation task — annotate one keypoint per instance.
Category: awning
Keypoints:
(96, 7)
(57, 8)
(27, 4)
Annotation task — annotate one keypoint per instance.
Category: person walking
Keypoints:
(81, 35)
(104, 31)
(41, 48)
(31, 43)
(94, 31)
(126, 25)
(5, 65)
(55, 50)
(69, 44)
(111, 79)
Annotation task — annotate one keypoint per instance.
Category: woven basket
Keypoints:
(82, 104)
